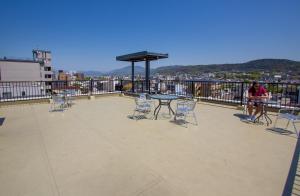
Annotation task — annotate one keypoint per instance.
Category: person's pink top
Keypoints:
(260, 91)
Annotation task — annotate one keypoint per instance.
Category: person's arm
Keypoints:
(250, 96)
(265, 94)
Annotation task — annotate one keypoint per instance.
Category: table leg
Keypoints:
(264, 114)
(268, 119)
(157, 112)
(157, 109)
(170, 108)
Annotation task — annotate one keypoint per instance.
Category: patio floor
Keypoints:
(94, 148)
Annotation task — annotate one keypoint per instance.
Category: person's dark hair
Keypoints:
(252, 89)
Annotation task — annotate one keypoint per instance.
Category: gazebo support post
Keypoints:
(147, 66)
(132, 76)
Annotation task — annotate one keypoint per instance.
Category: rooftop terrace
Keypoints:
(95, 148)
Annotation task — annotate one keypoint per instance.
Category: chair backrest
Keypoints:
(191, 105)
(142, 103)
(143, 96)
(137, 101)
(245, 96)
(188, 104)
(57, 98)
(71, 92)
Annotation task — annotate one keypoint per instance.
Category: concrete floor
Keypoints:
(94, 148)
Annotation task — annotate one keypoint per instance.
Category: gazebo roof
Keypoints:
(142, 56)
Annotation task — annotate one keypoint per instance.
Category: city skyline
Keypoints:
(89, 35)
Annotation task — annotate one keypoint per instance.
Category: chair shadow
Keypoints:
(57, 110)
(179, 122)
(281, 131)
(2, 121)
(138, 117)
(241, 116)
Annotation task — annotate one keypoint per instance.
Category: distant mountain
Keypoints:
(271, 65)
(92, 73)
(127, 70)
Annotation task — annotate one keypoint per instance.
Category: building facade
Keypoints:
(26, 78)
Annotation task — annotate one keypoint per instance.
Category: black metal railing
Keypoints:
(281, 94)
(29, 90)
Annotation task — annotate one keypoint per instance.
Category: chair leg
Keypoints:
(185, 122)
(195, 118)
(297, 132)
(287, 124)
(51, 107)
(133, 115)
(61, 106)
(275, 123)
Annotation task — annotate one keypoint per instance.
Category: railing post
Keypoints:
(242, 93)
(91, 86)
(149, 85)
(193, 89)
(142, 86)
(121, 85)
(66, 86)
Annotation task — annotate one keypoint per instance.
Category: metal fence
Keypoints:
(282, 95)
(27, 90)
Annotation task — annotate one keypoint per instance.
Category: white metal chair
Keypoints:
(58, 103)
(184, 109)
(70, 96)
(291, 115)
(142, 106)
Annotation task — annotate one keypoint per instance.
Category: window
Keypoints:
(47, 68)
(23, 93)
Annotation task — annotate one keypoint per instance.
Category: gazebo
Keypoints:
(138, 57)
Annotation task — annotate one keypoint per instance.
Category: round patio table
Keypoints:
(264, 112)
(163, 100)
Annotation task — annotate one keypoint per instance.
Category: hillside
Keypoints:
(127, 71)
(271, 65)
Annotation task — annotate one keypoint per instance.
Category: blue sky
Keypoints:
(87, 35)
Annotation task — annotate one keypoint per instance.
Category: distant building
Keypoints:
(63, 76)
(26, 78)
(37, 69)
(79, 76)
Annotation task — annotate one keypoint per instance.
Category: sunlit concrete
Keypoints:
(94, 148)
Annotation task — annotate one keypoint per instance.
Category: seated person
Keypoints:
(256, 94)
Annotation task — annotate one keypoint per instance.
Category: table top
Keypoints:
(164, 97)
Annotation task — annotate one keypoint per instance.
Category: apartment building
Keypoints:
(24, 77)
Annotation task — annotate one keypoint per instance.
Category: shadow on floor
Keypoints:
(293, 179)
(279, 131)
(180, 122)
(137, 117)
(2, 121)
(241, 116)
